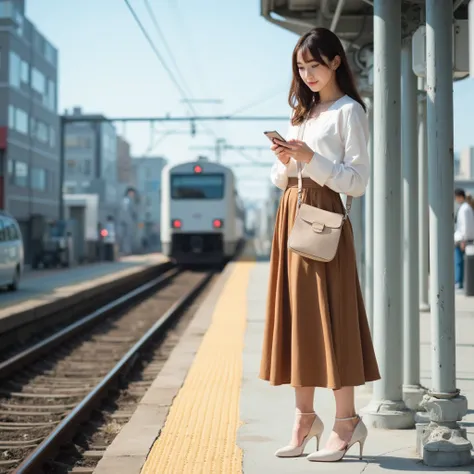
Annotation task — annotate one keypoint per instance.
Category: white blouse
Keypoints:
(339, 138)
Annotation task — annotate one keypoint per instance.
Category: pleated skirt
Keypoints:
(316, 330)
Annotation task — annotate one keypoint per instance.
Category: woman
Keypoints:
(316, 331)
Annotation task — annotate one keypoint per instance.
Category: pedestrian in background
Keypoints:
(463, 234)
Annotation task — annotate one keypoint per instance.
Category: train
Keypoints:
(202, 215)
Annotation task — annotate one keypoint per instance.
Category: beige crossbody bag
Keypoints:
(316, 232)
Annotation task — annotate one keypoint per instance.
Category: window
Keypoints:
(42, 132)
(87, 168)
(38, 179)
(20, 22)
(37, 81)
(21, 174)
(51, 98)
(2, 231)
(21, 120)
(106, 142)
(152, 186)
(38, 42)
(6, 9)
(14, 69)
(25, 72)
(11, 116)
(191, 186)
(49, 53)
(75, 141)
(52, 137)
(71, 164)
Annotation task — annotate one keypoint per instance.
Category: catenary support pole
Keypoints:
(423, 211)
(444, 442)
(412, 392)
(369, 225)
(387, 408)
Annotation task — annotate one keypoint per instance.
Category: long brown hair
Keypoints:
(319, 42)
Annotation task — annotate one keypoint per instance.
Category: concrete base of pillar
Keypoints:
(422, 418)
(420, 433)
(444, 442)
(389, 415)
(445, 445)
(413, 396)
(424, 308)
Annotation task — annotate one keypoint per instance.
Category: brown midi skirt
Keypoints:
(316, 330)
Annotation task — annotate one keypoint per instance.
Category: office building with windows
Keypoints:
(148, 178)
(29, 123)
(91, 161)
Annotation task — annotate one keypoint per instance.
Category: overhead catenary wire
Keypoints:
(162, 61)
(166, 46)
(256, 102)
(181, 91)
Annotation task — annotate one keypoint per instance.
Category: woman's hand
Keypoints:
(296, 149)
(279, 151)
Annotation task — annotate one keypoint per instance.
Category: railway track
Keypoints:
(61, 313)
(47, 391)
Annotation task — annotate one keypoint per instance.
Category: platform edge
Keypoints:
(135, 440)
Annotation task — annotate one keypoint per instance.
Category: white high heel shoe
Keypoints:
(358, 436)
(316, 430)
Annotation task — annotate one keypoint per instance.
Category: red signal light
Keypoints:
(198, 169)
(176, 224)
(217, 223)
(104, 233)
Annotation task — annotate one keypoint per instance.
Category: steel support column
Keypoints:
(412, 391)
(369, 226)
(423, 211)
(387, 408)
(444, 442)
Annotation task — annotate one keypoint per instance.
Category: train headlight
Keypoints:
(217, 223)
(176, 224)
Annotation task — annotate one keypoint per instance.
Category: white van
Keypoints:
(11, 252)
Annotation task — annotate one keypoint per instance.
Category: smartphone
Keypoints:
(274, 134)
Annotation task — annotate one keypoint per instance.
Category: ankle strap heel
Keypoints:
(348, 418)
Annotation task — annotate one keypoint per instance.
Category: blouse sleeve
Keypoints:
(279, 175)
(350, 176)
(279, 171)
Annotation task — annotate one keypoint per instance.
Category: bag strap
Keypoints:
(299, 167)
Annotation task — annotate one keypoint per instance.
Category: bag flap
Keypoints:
(313, 215)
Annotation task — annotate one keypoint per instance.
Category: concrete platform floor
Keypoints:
(203, 440)
(267, 412)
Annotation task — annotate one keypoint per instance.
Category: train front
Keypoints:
(198, 218)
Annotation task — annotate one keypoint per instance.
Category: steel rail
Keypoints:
(66, 429)
(32, 353)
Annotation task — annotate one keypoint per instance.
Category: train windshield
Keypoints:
(197, 186)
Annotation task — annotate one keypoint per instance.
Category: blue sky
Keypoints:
(225, 50)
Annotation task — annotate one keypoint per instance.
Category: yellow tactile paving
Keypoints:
(200, 432)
